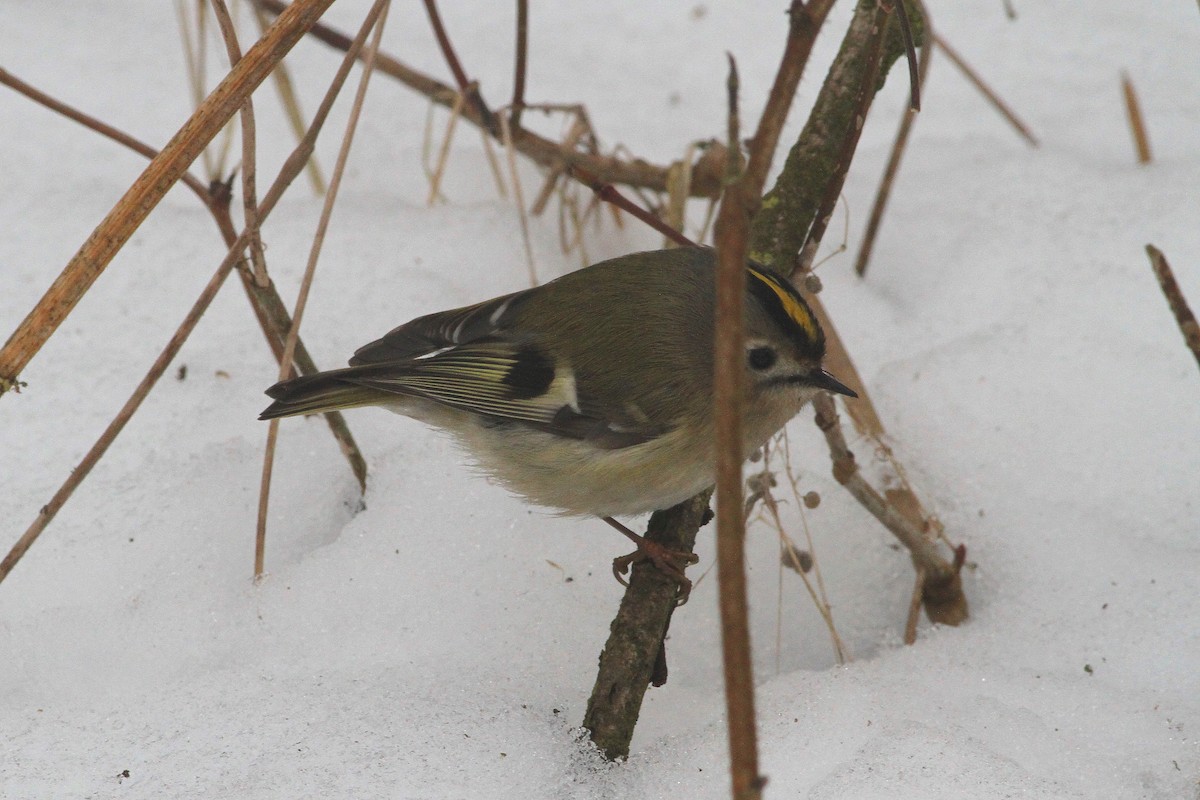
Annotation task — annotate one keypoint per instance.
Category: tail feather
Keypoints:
(314, 394)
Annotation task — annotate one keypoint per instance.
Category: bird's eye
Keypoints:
(761, 358)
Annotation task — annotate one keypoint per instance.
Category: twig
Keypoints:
(635, 649)
(914, 608)
(518, 100)
(465, 85)
(1136, 122)
(869, 58)
(706, 181)
(893, 165)
(439, 169)
(986, 90)
(732, 234)
(377, 17)
(805, 21)
(287, 174)
(1175, 299)
(141, 148)
(910, 55)
(942, 586)
(291, 105)
(519, 195)
(141, 198)
(609, 193)
(268, 308)
(249, 169)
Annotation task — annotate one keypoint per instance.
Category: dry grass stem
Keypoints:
(265, 302)
(893, 165)
(986, 90)
(141, 148)
(914, 608)
(493, 160)
(519, 196)
(790, 554)
(291, 105)
(942, 586)
(1184, 317)
(706, 181)
(145, 193)
(287, 174)
(679, 185)
(576, 132)
(732, 239)
(249, 146)
(519, 67)
(439, 168)
(1137, 123)
(378, 17)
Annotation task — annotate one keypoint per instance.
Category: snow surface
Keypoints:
(442, 642)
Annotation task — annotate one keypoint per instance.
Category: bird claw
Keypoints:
(671, 563)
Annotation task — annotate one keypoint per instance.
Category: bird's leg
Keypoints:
(671, 563)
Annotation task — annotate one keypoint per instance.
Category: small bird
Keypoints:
(593, 393)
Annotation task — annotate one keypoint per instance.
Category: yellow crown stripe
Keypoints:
(793, 307)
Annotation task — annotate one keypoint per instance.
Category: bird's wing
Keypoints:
(443, 329)
(505, 381)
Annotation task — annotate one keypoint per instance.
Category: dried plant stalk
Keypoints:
(993, 98)
(706, 181)
(268, 308)
(942, 586)
(1137, 125)
(376, 17)
(291, 105)
(1175, 299)
(287, 174)
(893, 165)
(732, 239)
(141, 198)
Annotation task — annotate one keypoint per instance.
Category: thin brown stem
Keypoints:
(465, 85)
(104, 129)
(978, 82)
(518, 100)
(1184, 317)
(732, 238)
(1137, 124)
(287, 174)
(910, 55)
(157, 179)
(942, 586)
(376, 17)
(893, 165)
(268, 308)
(249, 169)
(706, 180)
(609, 193)
(805, 21)
(291, 104)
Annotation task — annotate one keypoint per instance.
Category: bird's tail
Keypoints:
(325, 391)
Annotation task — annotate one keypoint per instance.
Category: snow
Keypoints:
(431, 645)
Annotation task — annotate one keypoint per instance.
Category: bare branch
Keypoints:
(1175, 299)
(993, 98)
(141, 198)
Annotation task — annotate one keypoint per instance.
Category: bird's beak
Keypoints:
(823, 380)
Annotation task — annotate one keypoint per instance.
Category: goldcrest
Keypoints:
(591, 394)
